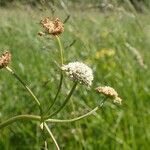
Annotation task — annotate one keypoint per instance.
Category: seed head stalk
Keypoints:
(78, 118)
(61, 74)
(26, 87)
(34, 98)
(65, 102)
(59, 89)
(74, 119)
(38, 118)
(61, 50)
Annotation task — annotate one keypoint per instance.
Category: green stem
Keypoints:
(25, 86)
(19, 117)
(59, 88)
(61, 49)
(78, 118)
(65, 102)
(34, 98)
(51, 135)
(38, 118)
(61, 75)
(74, 119)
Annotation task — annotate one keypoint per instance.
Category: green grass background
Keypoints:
(33, 58)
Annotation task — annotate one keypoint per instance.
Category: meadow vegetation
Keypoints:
(115, 44)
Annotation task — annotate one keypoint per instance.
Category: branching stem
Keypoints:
(38, 118)
(65, 102)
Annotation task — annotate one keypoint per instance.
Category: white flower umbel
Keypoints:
(78, 71)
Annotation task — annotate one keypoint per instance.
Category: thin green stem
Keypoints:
(19, 117)
(51, 135)
(103, 101)
(25, 86)
(59, 89)
(34, 98)
(61, 49)
(65, 102)
(38, 118)
(74, 119)
(80, 117)
(61, 74)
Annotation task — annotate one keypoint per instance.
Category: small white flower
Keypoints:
(78, 71)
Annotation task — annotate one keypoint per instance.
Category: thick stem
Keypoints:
(51, 135)
(19, 117)
(65, 102)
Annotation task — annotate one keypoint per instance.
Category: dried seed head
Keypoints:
(117, 100)
(5, 59)
(53, 27)
(110, 92)
(79, 72)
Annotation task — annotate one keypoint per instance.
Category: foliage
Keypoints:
(138, 4)
(93, 33)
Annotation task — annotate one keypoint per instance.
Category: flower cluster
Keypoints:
(110, 92)
(79, 72)
(76, 71)
(5, 59)
(53, 27)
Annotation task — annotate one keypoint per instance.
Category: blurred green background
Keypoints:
(113, 38)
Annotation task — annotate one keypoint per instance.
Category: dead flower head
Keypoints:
(110, 92)
(5, 59)
(53, 27)
(117, 100)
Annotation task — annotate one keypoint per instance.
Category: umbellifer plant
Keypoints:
(78, 72)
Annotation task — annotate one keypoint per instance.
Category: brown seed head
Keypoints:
(5, 59)
(53, 27)
(117, 100)
(110, 92)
